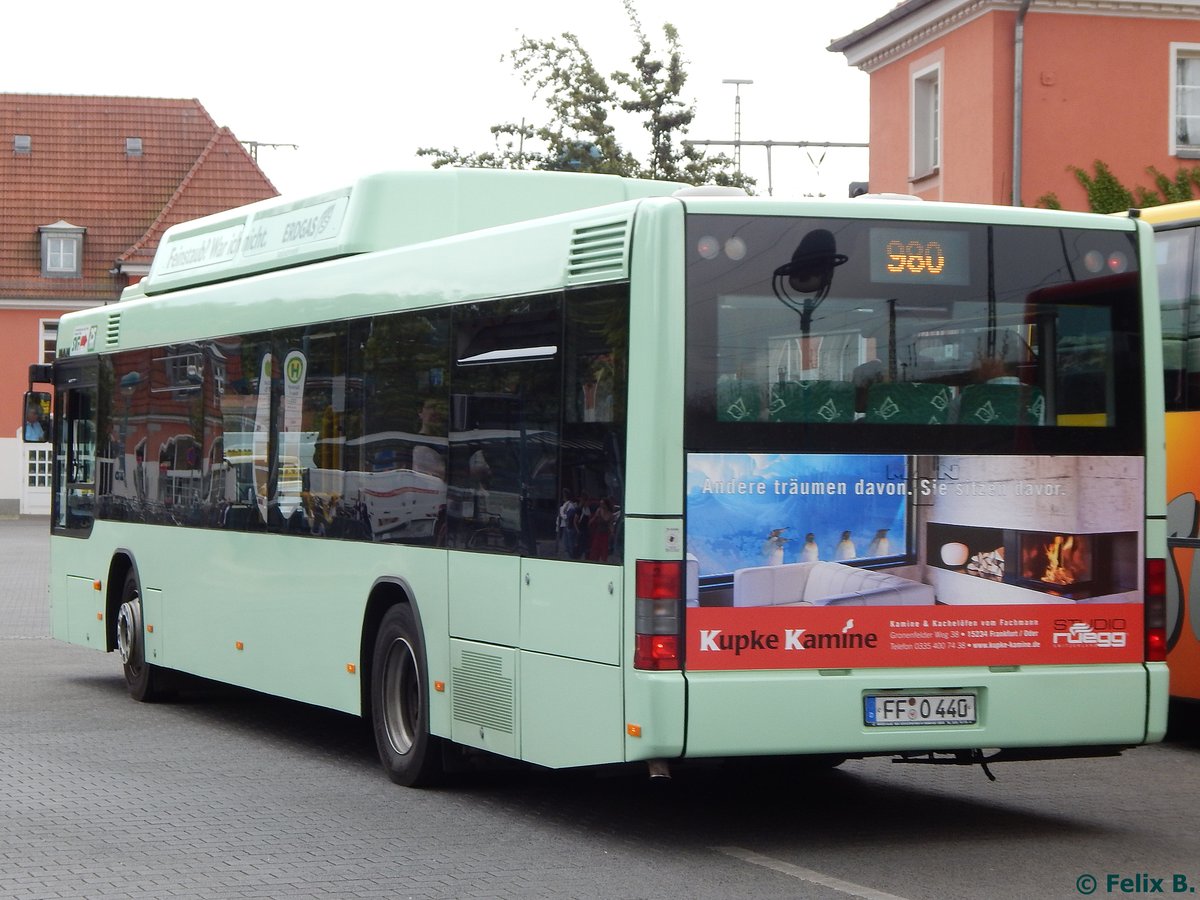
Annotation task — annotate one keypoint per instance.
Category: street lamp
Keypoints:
(737, 118)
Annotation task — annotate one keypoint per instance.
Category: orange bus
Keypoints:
(1177, 231)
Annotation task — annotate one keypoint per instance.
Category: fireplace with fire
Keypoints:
(1068, 565)
(1058, 562)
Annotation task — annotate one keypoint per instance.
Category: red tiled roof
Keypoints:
(78, 171)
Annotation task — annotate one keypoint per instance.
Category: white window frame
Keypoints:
(48, 336)
(62, 250)
(925, 129)
(62, 253)
(1176, 147)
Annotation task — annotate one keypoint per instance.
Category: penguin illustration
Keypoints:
(772, 547)
(810, 552)
(880, 545)
(845, 548)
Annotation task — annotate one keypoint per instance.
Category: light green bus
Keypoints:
(582, 471)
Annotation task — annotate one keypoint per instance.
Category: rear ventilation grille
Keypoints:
(483, 694)
(112, 335)
(599, 253)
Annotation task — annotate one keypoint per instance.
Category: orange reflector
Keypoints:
(439, 686)
(99, 617)
(238, 645)
(150, 629)
(351, 668)
(96, 585)
(633, 730)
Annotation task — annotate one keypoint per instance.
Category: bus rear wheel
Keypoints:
(146, 683)
(410, 755)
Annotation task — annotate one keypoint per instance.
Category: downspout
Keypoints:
(1018, 79)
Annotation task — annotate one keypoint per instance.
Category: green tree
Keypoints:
(580, 136)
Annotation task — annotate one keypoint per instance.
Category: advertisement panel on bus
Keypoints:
(857, 560)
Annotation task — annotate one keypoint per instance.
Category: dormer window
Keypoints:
(133, 146)
(62, 250)
(22, 145)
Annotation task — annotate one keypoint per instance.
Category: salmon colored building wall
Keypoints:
(976, 134)
(1098, 87)
(1095, 87)
(19, 348)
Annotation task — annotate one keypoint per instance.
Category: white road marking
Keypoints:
(803, 874)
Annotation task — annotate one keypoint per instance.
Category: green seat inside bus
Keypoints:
(1001, 404)
(738, 399)
(908, 403)
(812, 401)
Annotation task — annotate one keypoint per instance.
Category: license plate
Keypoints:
(919, 709)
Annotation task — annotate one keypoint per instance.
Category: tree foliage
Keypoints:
(579, 135)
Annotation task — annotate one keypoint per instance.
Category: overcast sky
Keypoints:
(360, 85)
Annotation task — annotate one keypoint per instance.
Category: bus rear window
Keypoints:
(879, 335)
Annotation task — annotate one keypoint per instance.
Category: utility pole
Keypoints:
(737, 118)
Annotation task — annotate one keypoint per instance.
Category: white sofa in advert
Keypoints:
(826, 584)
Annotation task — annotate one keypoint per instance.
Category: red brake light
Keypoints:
(1155, 610)
(658, 615)
(659, 579)
(656, 652)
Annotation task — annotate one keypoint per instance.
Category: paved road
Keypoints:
(228, 794)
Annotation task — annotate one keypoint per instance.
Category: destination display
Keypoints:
(904, 254)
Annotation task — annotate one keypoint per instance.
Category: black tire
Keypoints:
(146, 683)
(410, 755)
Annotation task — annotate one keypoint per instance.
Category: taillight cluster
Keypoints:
(658, 615)
(1155, 610)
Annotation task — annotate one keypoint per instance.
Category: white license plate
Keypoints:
(919, 709)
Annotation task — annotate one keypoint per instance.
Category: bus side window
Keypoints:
(505, 414)
(595, 386)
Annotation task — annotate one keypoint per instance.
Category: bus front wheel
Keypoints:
(146, 683)
(400, 702)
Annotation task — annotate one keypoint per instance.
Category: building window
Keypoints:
(62, 250)
(61, 254)
(1185, 100)
(37, 467)
(926, 122)
(133, 146)
(49, 336)
(22, 144)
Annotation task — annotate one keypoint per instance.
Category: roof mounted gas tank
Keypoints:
(377, 212)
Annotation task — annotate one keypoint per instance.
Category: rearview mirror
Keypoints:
(36, 417)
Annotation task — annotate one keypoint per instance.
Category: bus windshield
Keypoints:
(826, 323)
(889, 414)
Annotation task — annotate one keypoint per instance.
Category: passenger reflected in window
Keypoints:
(426, 459)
